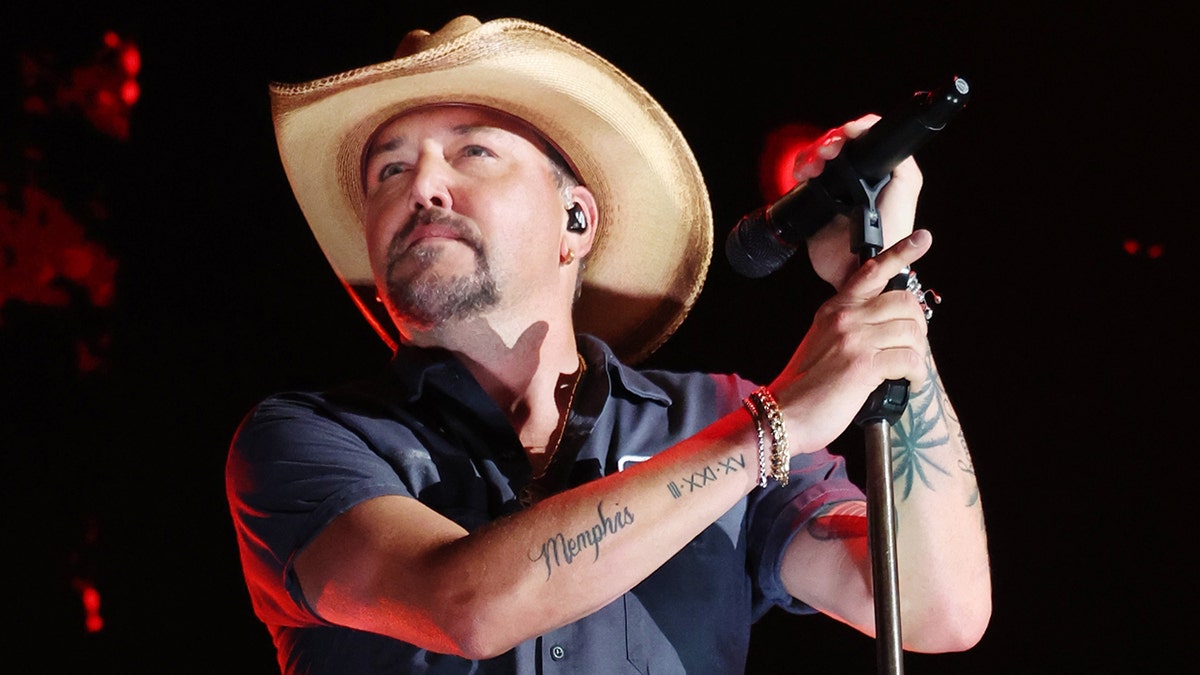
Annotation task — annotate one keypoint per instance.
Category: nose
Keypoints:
(431, 182)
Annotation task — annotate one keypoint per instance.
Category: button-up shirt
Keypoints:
(425, 429)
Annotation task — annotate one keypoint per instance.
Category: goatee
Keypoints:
(424, 297)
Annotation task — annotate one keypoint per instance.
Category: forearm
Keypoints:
(575, 552)
(941, 548)
(941, 541)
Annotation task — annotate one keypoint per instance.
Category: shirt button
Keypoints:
(558, 653)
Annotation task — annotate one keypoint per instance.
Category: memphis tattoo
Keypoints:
(562, 550)
(708, 474)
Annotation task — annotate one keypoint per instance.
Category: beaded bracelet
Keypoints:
(779, 441)
(752, 407)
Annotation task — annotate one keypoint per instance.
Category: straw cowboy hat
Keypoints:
(654, 242)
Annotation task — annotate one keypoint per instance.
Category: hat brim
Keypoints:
(654, 240)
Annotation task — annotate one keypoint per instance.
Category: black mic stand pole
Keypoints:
(882, 410)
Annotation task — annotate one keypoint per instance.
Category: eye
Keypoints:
(391, 169)
(476, 151)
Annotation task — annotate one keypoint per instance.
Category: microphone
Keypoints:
(766, 238)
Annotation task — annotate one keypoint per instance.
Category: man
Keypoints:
(511, 496)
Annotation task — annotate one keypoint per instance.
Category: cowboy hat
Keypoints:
(654, 245)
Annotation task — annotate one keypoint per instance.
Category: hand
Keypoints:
(829, 249)
(859, 338)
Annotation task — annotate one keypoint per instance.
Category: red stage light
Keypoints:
(130, 91)
(131, 60)
(90, 597)
(1134, 247)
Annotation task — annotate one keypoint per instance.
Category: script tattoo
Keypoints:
(562, 550)
(965, 465)
(703, 477)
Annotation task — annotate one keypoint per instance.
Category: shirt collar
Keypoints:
(600, 358)
(418, 367)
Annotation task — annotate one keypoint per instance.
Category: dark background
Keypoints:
(1066, 354)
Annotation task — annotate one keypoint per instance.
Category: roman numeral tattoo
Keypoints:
(708, 474)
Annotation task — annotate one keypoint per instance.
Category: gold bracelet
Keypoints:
(752, 407)
(779, 442)
(763, 404)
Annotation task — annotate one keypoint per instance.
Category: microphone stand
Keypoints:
(881, 410)
(887, 143)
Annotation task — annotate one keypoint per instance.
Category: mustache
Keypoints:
(461, 227)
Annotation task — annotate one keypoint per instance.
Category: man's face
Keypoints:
(463, 213)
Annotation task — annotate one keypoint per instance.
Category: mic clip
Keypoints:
(857, 196)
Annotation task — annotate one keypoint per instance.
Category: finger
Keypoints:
(859, 126)
(897, 305)
(899, 343)
(873, 275)
(811, 161)
(901, 363)
(898, 201)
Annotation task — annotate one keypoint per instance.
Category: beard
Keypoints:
(426, 298)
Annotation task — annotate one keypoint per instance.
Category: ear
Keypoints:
(581, 242)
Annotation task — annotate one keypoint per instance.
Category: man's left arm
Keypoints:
(941, 543)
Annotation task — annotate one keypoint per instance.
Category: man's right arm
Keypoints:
(391, 565)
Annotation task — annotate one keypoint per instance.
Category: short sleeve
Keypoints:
(776, 513)
(291, 469)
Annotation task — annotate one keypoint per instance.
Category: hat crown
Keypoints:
(417, 41)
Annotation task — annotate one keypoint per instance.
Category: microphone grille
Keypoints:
(752, 248)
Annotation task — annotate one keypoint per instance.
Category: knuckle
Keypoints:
(842, 321)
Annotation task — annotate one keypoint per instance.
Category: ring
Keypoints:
(914, 286)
